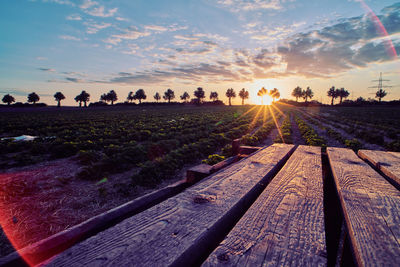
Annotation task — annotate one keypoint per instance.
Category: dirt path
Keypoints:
(273, 134)
(296, 135)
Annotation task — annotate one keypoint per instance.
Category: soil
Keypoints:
(296, 135)
(40, 200)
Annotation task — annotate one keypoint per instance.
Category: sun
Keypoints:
(258, 100)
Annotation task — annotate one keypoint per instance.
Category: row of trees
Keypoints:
(298, 92)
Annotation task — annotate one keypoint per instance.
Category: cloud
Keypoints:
(69, 37)
(251, 5)
(93, 28)
(74, 17)
(187, 38)
(93, 8)
(61, 2)
(74, 80)
(41, 58)
(47, 69)
(155, 28)
(131, 33)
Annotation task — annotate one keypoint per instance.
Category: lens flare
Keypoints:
(391, 50)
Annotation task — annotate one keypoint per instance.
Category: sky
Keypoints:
(48, 46)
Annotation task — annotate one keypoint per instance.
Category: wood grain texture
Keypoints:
(162, 234)
(371, 207)
(387, 162)
(285, 225)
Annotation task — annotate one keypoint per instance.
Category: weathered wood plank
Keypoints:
(285, 225)
(371, 207)
(178, 230)
(387, 162)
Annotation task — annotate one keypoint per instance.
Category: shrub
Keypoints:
(213, 159)
(353, 144)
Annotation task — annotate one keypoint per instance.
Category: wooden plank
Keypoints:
(371, 207)
(387, 162)
(285, 225)
(179, 230)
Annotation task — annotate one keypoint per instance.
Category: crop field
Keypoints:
(84, 162)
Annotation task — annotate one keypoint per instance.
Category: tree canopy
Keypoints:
(169, 95)
(140, 95)
(185, 96)
(230, 93)
(333, 93)
(58, 97)
(157, 97)
(243, 94)
(214, 96)
(83, 97)
(199, 94)
(380, 94)
(33, 98)
(308, 94)
(297, 93)
(8, 99)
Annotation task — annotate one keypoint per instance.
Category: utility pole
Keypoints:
(380, 85)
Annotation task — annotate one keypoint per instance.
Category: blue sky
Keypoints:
(65, 45)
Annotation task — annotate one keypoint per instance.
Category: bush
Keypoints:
(353, 144)
(213, 159)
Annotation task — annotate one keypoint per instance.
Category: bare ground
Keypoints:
(40, 200)
(296, 135)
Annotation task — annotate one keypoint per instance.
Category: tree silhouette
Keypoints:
(33, 98)
(274, 93)
(139, 95)
(58, 97)
(200, 94)
(168, 95)
(332, 92)
(130, 97)
(380, 94)
(8, 99)
(308, 93)
(214, 96)
(185, 96)
(297, 92)
(261, 93)
(343, 93)
(82, 97)
(243, 94)
(157, 97)
(112, 96)
(230, 93)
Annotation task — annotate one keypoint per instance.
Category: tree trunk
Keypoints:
(230, 102)
(58, 104)
(297, 99)
(341, 98)
(140, 101)
(242, 101)
(80, 103)
(112, 102)
(332, 101)
(85, 103)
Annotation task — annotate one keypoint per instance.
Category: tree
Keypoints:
(33, 98)
(130, 97)
(168, 95)
(58, 97)
(308, 93)
(274, 93)
(112, 96)
(8, 99)
(243, 94)
(343, 93)
(261, 93)
(230, 93)
(297, 92)
(214, 96)
(332, 92)
(185, 96)
(157, 97)
(139, 95)
(380, 94)
(82, 97)
(200, 94)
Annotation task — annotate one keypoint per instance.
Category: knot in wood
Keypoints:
(200, 199)
(223, 257)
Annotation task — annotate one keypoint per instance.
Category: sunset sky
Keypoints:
(73, 45)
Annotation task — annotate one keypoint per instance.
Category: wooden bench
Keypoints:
(387, 162)
(181, 230)
(285, 226)
(267, 209)
(371, 208)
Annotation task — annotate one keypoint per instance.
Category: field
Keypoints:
(84, 162)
